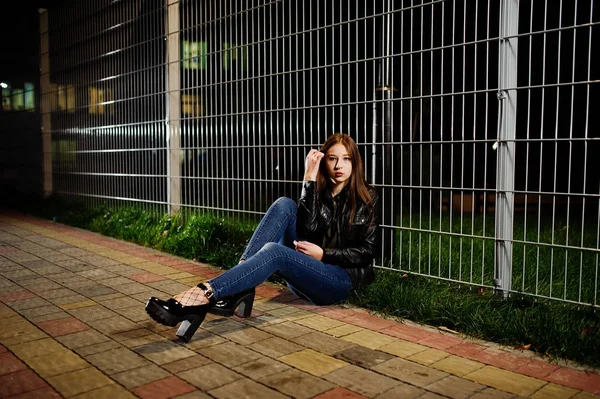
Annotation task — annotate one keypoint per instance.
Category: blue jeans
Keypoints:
(271, 250)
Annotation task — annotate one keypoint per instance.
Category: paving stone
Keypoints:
(275, 347)
(140, 376)
(39, 347)
(457, 365)
(363, 381)
(164, 352)
(28, 303)
(323, 343)
(91, 313)
(65, 300)
(77, 305)
(267, 305)
(56, 328)
(506, 380)
(554, 391)
(97, 348)
(186, 364)
(455, 387)
(404, 391)
(120, 303)
(578, 379)
(229, 354)
(55, 363)
(136, 313)
(501, 359)
(410, 372)
(165, 388)
(132, 288)
(320, 323)
(48, 270)
(246, 335)
(210, 376)
(123, 270)
(10, 364)
(117, 360)
(491, 393)
(107, 392)
(19, 382)
(41, 287)
(113, 325)
(131, 334)
(19, 327)
(402, 348)
(245, 388)
(428, 357)
(82, 338)
(312, 362)
(363, 357)
(287, 330)
(97, 274)
(369, 339)
(102, 298)
(297, 384)
(97, 260)
(42, 393)
(538, 369)
(170, 287)
(263, 320)
(260, 368)
(22, 337)
(286, 311)
(95, 291)
(41, 311)
(77, 382)
(80, 284)
(586, 395)
(340, 393)
(222, 325)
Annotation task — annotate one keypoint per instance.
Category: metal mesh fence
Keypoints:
(475, 120)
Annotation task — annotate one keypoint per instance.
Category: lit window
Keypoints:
(190, 105)
(29, 96)
(18, 100)
(194, 55)
(235, 53)
(97, 99)
(65, 98)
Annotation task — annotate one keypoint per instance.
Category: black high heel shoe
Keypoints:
(171, 312)
(239, 304)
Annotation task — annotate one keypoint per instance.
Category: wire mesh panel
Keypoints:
(475, 120)
(263, 83)
(108, 109)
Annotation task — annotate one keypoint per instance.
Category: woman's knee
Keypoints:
(285, 203)
(272, 247)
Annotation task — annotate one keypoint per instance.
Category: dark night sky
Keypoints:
(20, 37)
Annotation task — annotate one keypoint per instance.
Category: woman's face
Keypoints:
(339, 164)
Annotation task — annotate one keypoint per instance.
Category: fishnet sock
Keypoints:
(193, 297)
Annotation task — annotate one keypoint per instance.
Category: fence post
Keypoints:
(45, 105)
(505, 172)
(173, 111)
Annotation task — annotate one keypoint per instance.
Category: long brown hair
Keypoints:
(357, 186)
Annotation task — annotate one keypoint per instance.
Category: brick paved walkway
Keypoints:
(72, 324)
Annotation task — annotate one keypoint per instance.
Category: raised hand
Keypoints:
(311, 165)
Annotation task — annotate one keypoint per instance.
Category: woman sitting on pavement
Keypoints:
(323, 246)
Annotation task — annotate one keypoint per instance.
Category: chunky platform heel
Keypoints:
(239, 304)
(187, 329)
(171, 312)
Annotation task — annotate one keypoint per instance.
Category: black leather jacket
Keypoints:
(353, 249)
